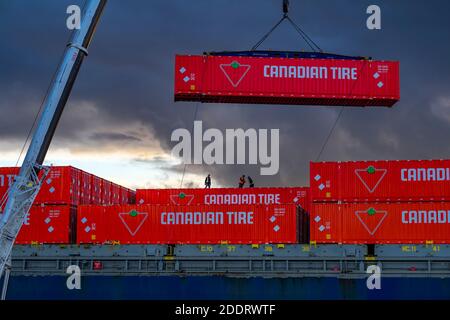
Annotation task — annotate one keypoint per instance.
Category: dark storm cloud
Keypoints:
(128, 75)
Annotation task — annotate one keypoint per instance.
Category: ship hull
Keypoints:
(224, 288)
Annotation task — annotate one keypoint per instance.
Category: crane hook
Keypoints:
(285, 7)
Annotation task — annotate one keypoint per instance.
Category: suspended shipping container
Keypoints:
(225, 196)
(49, 224)
(158, 224)
(380, 223)
(360, 181)
(300, 81)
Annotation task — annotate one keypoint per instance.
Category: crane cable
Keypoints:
(193, 123)
(195, 116)
(314, 46)
(36, 117)
(330, 133)
(339, 116)
(303, 34)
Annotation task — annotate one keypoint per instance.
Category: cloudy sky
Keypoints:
(121, 113)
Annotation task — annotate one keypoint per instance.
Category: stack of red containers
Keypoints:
(187, 224)
(380, 202)
(170, 216)
(225, 196)
(52, 218)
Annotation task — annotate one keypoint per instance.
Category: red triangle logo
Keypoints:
(181, 199)
(235, 72)
(133, 220)
(371, 177)
(371, 219)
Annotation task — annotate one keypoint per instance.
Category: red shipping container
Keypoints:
(362, 181)
(62, 185)
(222, 79)
(48, 224)
(69, 185)
(381, 223)
(225, 196)
(156, 224)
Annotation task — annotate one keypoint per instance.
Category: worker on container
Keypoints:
(208, 182)
(250, 182)
(242, 181)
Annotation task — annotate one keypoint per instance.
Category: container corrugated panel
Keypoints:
(324, 181)
(115, 194)
(225, 196)
(48, 224)
(398, 180)
(124, 196)
(96, 190)
(105, 187)
(62, 185)
(128, 196)
(381, 223)
(326, 223)
(303, 225)
(85, 188)
(156, 224)
(221, 79)
(131, 197)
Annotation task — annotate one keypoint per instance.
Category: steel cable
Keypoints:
(42, 103)
(337, 120)
(185, 165)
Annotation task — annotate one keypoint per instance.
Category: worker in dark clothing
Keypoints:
(250, 182)
(241, 181)
(208, 182)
